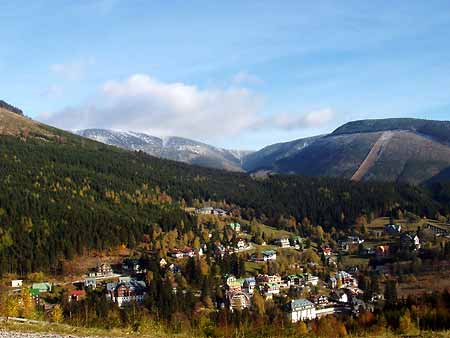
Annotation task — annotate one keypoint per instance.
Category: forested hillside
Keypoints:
(62, 194)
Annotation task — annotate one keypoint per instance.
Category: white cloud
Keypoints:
(244, 77)
(75, 70)
(312, 119)
(142, 103)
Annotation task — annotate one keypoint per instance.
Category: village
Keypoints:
(319, 278)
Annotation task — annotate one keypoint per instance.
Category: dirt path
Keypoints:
(372, 156)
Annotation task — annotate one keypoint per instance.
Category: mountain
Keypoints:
(265, 158)
(395, 150)
(62, 195)
(172, 148)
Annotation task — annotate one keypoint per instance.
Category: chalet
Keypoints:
(103, 270)
(270, 289)
(339, 296)
(264, 279)
(219, 212)
(301, 309)
(438, 230)
(282, 242)
(76, 295)
(393, 229)
(297, 242)
(269, 255)
(233, 283)
(242, 245)
(332, 283)
(131, 265)
(90, 282)
(126, 291)
(382, 250)
(344, 279)
(162, 263)
(326, 251)
(319, 300)
(249, 285)
(410, 241)
(204, 211)
(236, 227)
(16, 283)
(186, 252)
(265, 256)
(42, 287)
(238, 300)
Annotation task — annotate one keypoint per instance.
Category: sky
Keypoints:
(235, 74)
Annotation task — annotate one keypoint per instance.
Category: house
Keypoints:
(297, 242)
(174, 268)
(382, 250)
(282, 242)
(339, 296)
(186, 252)
(308, 279)
(249, 285)
(236, 227)
(269, 255)
(332, 283)
(42, 287)
(219, 212)
(354, 240)
(344, 279)
(76, 295)
(393, 229)
(270, 289)
(438, 230)
(410, 241)
(16, 283)
(204, 211)
(90, 282)
(242, 245)
(263, 279)
(104, 270)
(238, 300)
(326, 251)
(126, 291)
(132, 265)
(301, 309)
(162, 263)
(233, 283)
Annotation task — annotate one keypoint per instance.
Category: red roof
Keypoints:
(77, 293)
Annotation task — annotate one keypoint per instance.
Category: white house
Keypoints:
(301, 309)
(16, 283)
(283, 242)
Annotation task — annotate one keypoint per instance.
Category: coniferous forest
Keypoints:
(60, 198)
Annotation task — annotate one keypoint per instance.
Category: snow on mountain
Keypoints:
(172, 148)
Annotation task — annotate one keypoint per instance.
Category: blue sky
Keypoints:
(239, 74)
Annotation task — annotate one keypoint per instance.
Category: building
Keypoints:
(326, 251)
(204, 211)
(393, 229)
(235, 227)
(90, 282)
(76, 295)
(249, 285)
(238, 300)
(382, 250)
(301, 309)
(265, 256)
(104, 270)
(132, 265)
(16, 283)
(126, 291)
(410, 241)
(283, 242)
(186, 252)
(42, 287)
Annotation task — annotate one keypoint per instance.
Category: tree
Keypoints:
(258, 304)
(57, 314)
(390, 293)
